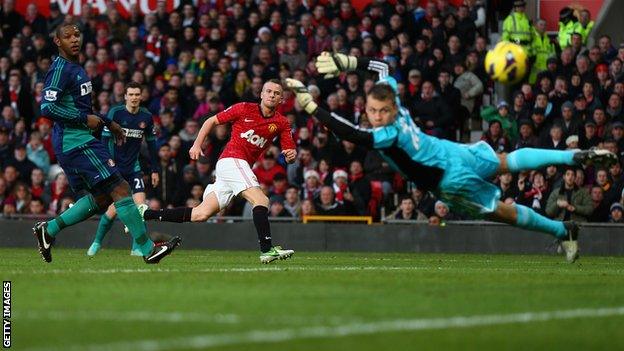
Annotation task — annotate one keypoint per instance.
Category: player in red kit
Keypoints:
(254, 126)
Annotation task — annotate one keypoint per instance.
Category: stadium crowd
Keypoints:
(200, 59)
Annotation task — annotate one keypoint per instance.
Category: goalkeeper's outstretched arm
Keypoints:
(344, 129)
(340, 126)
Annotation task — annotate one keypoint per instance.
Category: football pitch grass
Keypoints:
(221, 300)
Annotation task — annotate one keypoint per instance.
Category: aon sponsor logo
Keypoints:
(253, 138)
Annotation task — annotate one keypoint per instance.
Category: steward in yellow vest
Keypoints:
(517, 27)
(568, 24)
(585, 25)
(541, 50)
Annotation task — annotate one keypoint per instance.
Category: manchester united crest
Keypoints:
(142, 125)
(272, 127)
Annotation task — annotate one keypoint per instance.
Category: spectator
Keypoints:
(168, 172)
(495, 138)
(600, 211)
(526, 137)
(509, 190)
(20, 197)
(616, 213)
(36, 153)
(279, 185)
(6, 149)
(311, 186)
(22, 164)
(443, 212)
(469, 85)
(407, 209)
(37, 185)
(568, 123)
(307, 208)
(569, 202)
(432, 113)
(277, 208)
(327, 204)
(589, 137)
(268, 169)
(501, 114)
(36, 207)
(555, 140)
(572, 142)
(533, 194)
(292, 203)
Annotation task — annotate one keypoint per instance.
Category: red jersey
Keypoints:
(252, 133)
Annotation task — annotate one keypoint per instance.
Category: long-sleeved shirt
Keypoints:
(66, 99)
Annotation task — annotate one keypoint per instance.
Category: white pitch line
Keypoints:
(291, 269)
(172, 317)
(400, 325)
(219, 270)
(130, 316)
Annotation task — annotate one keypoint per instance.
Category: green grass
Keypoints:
(228, 301)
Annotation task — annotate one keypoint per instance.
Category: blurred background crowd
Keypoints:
(205, 56)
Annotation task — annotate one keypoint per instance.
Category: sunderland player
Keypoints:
(455, 172)
(137, 124)
(254, 126)
(66, 99)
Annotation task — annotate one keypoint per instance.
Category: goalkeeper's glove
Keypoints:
(332, 64)
(303, 96)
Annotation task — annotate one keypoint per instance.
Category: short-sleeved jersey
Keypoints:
(135, 126)
(66, 99)
(252, 132)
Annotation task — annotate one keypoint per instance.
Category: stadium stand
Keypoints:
(199, 59)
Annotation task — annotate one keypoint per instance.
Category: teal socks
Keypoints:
(84, 208)
(529, 159)
(129, 215)
(529, 219)
(103, 227)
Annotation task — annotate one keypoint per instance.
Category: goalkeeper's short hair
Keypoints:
(382, 92)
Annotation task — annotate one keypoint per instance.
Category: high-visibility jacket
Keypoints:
(541, 50)
(517, 29)
(565, 33)
(585, 30)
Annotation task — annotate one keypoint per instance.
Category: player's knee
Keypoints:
(120, 191)
(103, 201)
(202, 213)
(257, 197)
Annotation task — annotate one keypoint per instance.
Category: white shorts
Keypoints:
(232, 176)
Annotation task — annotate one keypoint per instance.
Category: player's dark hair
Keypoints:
(382, 92)
(59, 29)
(133, 85)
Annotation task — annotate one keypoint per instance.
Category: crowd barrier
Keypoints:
(236, 233)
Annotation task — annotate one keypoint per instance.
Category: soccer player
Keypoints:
(66, 99)
(254, 126)
(455, 172)
(137, 124)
